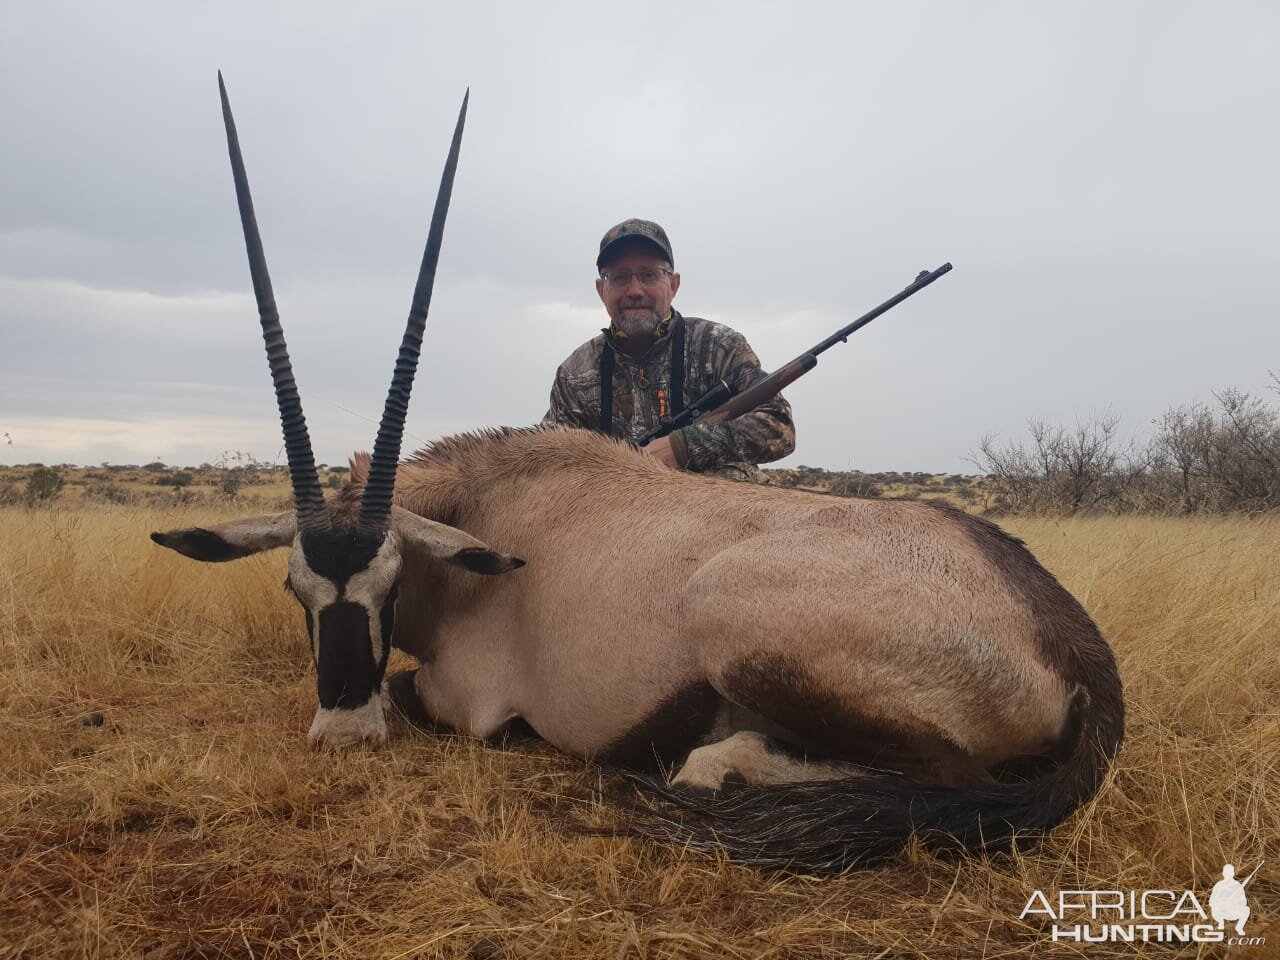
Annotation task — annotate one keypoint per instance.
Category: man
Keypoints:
(654, 362)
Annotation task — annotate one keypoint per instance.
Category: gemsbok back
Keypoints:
(817, 678)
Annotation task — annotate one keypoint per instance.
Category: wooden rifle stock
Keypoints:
(760, 392)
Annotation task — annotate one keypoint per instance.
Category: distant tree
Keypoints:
(1180, 450)
(1247, 451)
(1219, 458)
(155, 466)
(1062, 470)
(43, 485)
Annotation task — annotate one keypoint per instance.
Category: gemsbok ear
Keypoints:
(232, 540)
(449, 544)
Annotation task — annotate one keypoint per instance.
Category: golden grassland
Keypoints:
(157, 799)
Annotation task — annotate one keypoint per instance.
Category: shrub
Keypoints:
(1062, 470)
(108, 493)
(43, 485)
(1226, 458)
(1202, 457)
(231, 479)
(179, 479)
(854, 485)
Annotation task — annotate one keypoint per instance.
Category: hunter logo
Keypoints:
(1149, 916)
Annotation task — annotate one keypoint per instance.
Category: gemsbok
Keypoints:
(824, 677)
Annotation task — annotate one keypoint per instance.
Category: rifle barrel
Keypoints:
(922, 280)
(752, 397)
(770, 385)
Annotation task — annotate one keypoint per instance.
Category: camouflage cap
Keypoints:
(643, 229)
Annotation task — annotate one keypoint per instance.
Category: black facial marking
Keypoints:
(338, 555)
(387, 619)
(668, 733)
(479, 560)
(200, 544)
(311, 630)
(347, 675)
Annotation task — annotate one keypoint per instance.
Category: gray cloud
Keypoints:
(1102, 176)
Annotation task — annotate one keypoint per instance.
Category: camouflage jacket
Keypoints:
(642, 394)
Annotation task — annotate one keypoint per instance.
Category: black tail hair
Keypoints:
(831, 826)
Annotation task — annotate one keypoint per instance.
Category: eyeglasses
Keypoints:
(622, 278)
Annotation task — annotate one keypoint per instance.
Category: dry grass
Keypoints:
(191, 822)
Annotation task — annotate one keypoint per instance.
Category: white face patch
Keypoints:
(370, 587)
(312, 590)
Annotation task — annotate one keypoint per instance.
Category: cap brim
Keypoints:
(629, 238)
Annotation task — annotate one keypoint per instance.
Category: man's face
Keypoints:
(637, 308)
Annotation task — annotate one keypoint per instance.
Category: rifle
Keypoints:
(720, 403)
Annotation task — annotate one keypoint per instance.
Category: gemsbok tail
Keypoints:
(830, 826)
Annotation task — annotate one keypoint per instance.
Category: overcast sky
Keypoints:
(1102, 175)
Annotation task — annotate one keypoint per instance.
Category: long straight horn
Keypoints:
(376, 506)
(307, 495)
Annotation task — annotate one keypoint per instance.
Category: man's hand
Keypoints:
(661, 448)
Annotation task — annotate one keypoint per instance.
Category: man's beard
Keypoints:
(637, 320)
